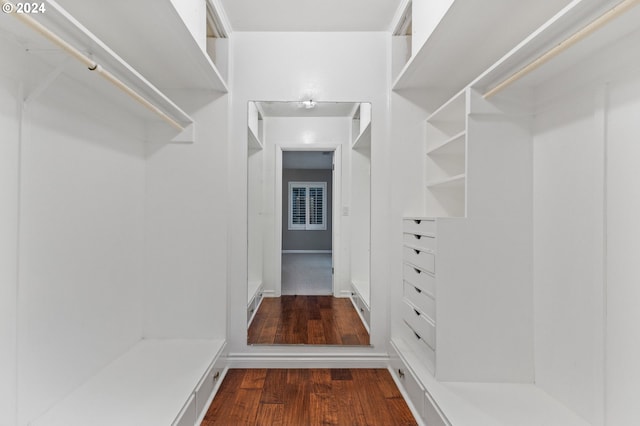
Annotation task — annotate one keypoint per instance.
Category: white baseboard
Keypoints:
(265, 360)
(344, 293)
(305, 251)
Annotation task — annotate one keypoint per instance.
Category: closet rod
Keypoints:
(594, 25)
(93, 66)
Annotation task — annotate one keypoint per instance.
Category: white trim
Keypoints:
(264, 360)
(335, 210)
(305, 251)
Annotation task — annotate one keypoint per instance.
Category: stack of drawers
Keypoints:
(419, 286)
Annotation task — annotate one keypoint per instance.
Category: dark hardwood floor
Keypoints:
(314, 320)
(349, 397)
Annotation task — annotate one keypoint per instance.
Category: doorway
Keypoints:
(307, 223)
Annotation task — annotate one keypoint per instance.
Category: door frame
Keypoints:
(335, 209)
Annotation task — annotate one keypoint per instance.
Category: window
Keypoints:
(308, 206)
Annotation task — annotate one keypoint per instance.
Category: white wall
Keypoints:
(359, 212)
(186, 227)
(568, 251)
(288, 66)
(81, 244)
(623, 248)
(9, 175)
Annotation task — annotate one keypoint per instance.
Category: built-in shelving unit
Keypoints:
(153, 38)
(450, 182)
(480, 153)
(66, 27)
(430, 65)
(445, 134)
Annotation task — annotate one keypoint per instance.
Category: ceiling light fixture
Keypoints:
(310, 104)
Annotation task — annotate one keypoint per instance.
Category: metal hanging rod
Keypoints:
(593, 26)
(92, 65)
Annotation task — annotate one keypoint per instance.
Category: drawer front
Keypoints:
(422, 259)
(204, 390)
(420, 324)
(410, 384)
(188, 415)
(425, 303)
(419, 226)
(250, 310)
(361, 307)
(432, 415)
(424, 242)
(423, 280)
(418, 346)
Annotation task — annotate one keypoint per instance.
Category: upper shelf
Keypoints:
(556, 31)
(471, 36)
(60, 22)
(152, 37)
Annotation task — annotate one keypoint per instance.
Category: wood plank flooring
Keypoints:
(314, 320)
(301, 397)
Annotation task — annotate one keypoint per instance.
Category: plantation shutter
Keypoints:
(307, 206)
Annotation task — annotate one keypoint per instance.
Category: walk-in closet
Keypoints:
(445, 190)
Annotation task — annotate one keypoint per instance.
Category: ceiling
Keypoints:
(297, 109)
(318, 160)
(310, 15)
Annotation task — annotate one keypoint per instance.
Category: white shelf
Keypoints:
(254, 142)
(553, 32)
(152, 37)
(148, 385)
(450, 58)
(64, 25)
(449, 182)
(363, 141)
(453, 146)
(452, 110)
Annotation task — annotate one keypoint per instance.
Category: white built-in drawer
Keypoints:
(419, 347)
(432, 414)
(424, 302)
(419, 226)
(188, 415)
(420, 241)
(425, 260)
(204, 390)
(420, 324)
(361, 307)
(421, 279)
(412, 387)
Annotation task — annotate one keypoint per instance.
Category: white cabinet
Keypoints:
(418, 309)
